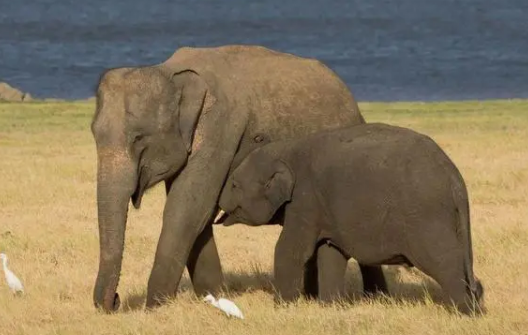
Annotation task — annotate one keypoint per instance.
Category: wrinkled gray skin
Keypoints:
(187, 122)
(380, 194)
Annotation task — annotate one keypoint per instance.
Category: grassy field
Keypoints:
(48, 228)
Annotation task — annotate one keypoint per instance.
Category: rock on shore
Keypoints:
(8, 93)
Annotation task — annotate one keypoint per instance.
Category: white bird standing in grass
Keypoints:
(12, 281)
(225, 305)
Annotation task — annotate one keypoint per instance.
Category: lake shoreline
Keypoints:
(425, 102)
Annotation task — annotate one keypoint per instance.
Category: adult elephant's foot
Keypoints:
(373, 280)
(204, 268)
(154, 301)
(163, 281)
(158, 293)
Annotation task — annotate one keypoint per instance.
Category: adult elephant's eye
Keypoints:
(138, 138)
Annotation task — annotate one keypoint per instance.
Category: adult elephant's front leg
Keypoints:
(187, 212)
(203, 262)
(186, 236)
(191, 202)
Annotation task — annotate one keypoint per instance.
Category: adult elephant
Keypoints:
(188, 121)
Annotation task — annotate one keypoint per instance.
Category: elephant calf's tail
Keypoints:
(475, 288)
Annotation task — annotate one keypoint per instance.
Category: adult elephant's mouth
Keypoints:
(145, 181)
(142, 184)
(138, 195)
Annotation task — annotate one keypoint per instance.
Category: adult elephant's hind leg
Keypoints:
(373, 280)
(204, 264)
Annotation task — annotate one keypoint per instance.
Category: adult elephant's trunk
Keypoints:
(116, 181)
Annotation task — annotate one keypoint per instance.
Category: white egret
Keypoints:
(225, 305)
(12, 281)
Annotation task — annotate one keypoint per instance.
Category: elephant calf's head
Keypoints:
(256, 189)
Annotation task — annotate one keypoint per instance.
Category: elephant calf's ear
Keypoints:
(192, 90)
(279, 188)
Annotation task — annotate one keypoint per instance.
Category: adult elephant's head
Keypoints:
(143, 128)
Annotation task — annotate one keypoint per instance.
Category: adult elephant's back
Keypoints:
(284, 95)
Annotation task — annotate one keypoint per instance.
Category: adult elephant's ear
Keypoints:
(191, 91)
(279, 187)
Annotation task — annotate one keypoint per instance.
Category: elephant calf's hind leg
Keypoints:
(373, 280)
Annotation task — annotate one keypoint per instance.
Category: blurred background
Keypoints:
(384, 50)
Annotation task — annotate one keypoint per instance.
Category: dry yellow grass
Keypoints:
(48, 228)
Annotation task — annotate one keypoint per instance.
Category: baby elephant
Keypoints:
(379, 194)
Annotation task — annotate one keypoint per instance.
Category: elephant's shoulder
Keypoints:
(184, 58)
(225, 50)
(235, 52)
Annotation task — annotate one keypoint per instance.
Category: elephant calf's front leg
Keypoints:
(331, 264)
(292, 255)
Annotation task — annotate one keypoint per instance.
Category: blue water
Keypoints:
(383, 49)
